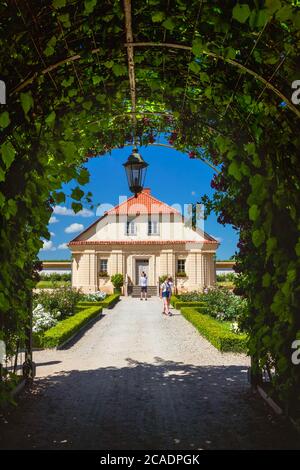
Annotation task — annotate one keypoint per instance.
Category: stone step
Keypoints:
(136, 291)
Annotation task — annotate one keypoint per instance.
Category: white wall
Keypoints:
(112, 227)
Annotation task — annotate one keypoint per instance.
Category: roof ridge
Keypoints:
(144, 194)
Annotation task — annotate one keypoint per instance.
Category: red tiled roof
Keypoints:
(139, 242)
(144, 203)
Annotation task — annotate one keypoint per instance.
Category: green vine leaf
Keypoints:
(230, 53)
(119, 70)
(76, 206)
(65, 19)
(194, 67)
(169, 24)
(234, 170)
(197, 47)
(89, 6)
(59, 3)
(83, 177)
(4, 119)
(285, 13)
(50, 119)
(254, 212)
(69, 149)
(77, 194)
(158, 17)
(8, 153)
(258, 237)
(273, 5)
(26, 101)
(241, 12)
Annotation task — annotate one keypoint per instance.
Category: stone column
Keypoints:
(93, 272)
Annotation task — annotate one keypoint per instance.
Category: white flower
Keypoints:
(42, 320)
(235, 327)
(97, 296)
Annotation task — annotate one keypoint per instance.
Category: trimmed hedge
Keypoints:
(174, 299)
(65, 329)
(108, 302)
(178, 303)
(215, 331)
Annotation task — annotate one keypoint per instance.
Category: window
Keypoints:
(153, 227)
(130, 228)
(181, 266)
(103, 266)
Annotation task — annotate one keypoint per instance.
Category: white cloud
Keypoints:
(219, 239)
(53, 220)
(73, 228)
(63, 246)
(52, 234)
(62, 210)
(85, 213)
(48, 246)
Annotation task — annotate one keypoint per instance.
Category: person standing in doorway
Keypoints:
(143, 285)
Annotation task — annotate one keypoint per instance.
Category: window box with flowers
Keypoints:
(103, 274)
(181, 274)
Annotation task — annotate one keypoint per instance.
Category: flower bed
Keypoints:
(216, 332)
(60, 303)
(108, 302)
(98, 296)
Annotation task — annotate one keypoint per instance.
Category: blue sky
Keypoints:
(172, 177)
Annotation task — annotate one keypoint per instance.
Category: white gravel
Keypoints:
(137, 379)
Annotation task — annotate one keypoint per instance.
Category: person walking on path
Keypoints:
(143, 285)
(166, 292)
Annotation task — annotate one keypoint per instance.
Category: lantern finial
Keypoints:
(136, 169)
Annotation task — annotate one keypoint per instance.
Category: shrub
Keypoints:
(110, 301)
(194, 296)
(163, 278)
(228, 277)
(224, 305)
(65, 329)
(56, 277)
(117, 280)
(62, 300)
(216, 332)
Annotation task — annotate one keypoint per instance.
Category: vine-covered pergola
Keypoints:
(86, 76)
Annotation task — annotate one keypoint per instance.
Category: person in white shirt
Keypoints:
(143, 285)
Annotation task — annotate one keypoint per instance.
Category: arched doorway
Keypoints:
(217, 78)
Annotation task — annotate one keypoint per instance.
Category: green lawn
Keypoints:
(51, 284)
(227, 284)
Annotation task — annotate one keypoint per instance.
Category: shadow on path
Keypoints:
(163, 405)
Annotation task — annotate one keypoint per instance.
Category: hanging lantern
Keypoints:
(136, 169)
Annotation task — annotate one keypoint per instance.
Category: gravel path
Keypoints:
(139, 380)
